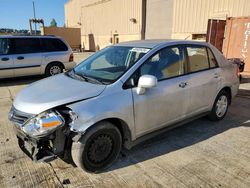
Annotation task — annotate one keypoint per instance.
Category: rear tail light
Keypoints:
(238, 71)
(71, 57)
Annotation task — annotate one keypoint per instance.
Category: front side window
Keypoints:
(109, 64)
(4, 47)
(25, 45)
(197, 58)
(167, 63)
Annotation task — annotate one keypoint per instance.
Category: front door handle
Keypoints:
(20, 57)
(183, 84)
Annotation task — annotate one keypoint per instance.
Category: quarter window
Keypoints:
(167, 63)
(212, 60)
(53, 45)
(198, 59)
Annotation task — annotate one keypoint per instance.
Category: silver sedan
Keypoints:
(120, 96)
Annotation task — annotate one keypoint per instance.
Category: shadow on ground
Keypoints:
(184, 136)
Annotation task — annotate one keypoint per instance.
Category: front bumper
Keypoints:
(43, 149)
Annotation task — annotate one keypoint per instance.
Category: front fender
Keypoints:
(118, 105)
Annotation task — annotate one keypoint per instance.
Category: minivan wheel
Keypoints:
(98, 148)
(220, 106)
(53, 69)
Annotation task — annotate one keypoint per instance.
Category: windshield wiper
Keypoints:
(91, 79)
(86, 78)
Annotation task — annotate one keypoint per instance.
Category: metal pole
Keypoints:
(34, 11)
(210, 30)
(30, 26)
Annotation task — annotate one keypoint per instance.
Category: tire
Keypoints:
(98, 148)
(53, 69)
(220, 106)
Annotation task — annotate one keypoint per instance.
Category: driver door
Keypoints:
(168, 101)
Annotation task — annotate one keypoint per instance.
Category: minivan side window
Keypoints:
(197, 58)
(25, 45)
(167, 63)
(4, 46)
(212, 60)
(53, 45)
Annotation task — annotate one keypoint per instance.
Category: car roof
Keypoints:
(28, 36)
(152, 43)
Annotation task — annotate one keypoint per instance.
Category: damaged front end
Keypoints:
(42, 137)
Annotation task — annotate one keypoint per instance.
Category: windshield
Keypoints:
(107, 65)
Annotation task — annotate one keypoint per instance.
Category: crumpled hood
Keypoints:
(54, 91)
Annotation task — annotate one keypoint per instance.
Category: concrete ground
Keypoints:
(198, 154)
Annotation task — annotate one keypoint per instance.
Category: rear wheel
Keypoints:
(220, 106)
(53, 69)
(98, 149)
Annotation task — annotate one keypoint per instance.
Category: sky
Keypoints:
(15, 14)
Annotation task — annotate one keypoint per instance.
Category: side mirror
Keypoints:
(146, 82)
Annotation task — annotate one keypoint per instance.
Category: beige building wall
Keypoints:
(191, 16)
(159, 19)
(71, 35)
(72, 11)
(101, 20)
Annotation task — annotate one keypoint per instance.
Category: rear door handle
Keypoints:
(5, 59)
(20, 57)
(183, 84)
(216, 75)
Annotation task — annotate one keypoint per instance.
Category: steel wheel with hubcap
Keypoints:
(53, 69)
(98, 148)
(220, 106)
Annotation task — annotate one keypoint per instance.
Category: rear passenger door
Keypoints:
(6, 60)
(27, 56)
(204, 78)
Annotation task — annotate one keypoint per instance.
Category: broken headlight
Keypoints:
(43, 124)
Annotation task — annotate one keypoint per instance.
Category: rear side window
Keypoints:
(25, 45)
(53, 45)
(4, 47)
(198, 59)
(212, 60)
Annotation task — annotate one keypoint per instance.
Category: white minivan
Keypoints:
(34, 55)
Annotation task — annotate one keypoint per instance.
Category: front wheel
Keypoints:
(98, 148)
(220, 106)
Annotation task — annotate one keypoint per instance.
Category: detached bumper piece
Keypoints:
(43, 149)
